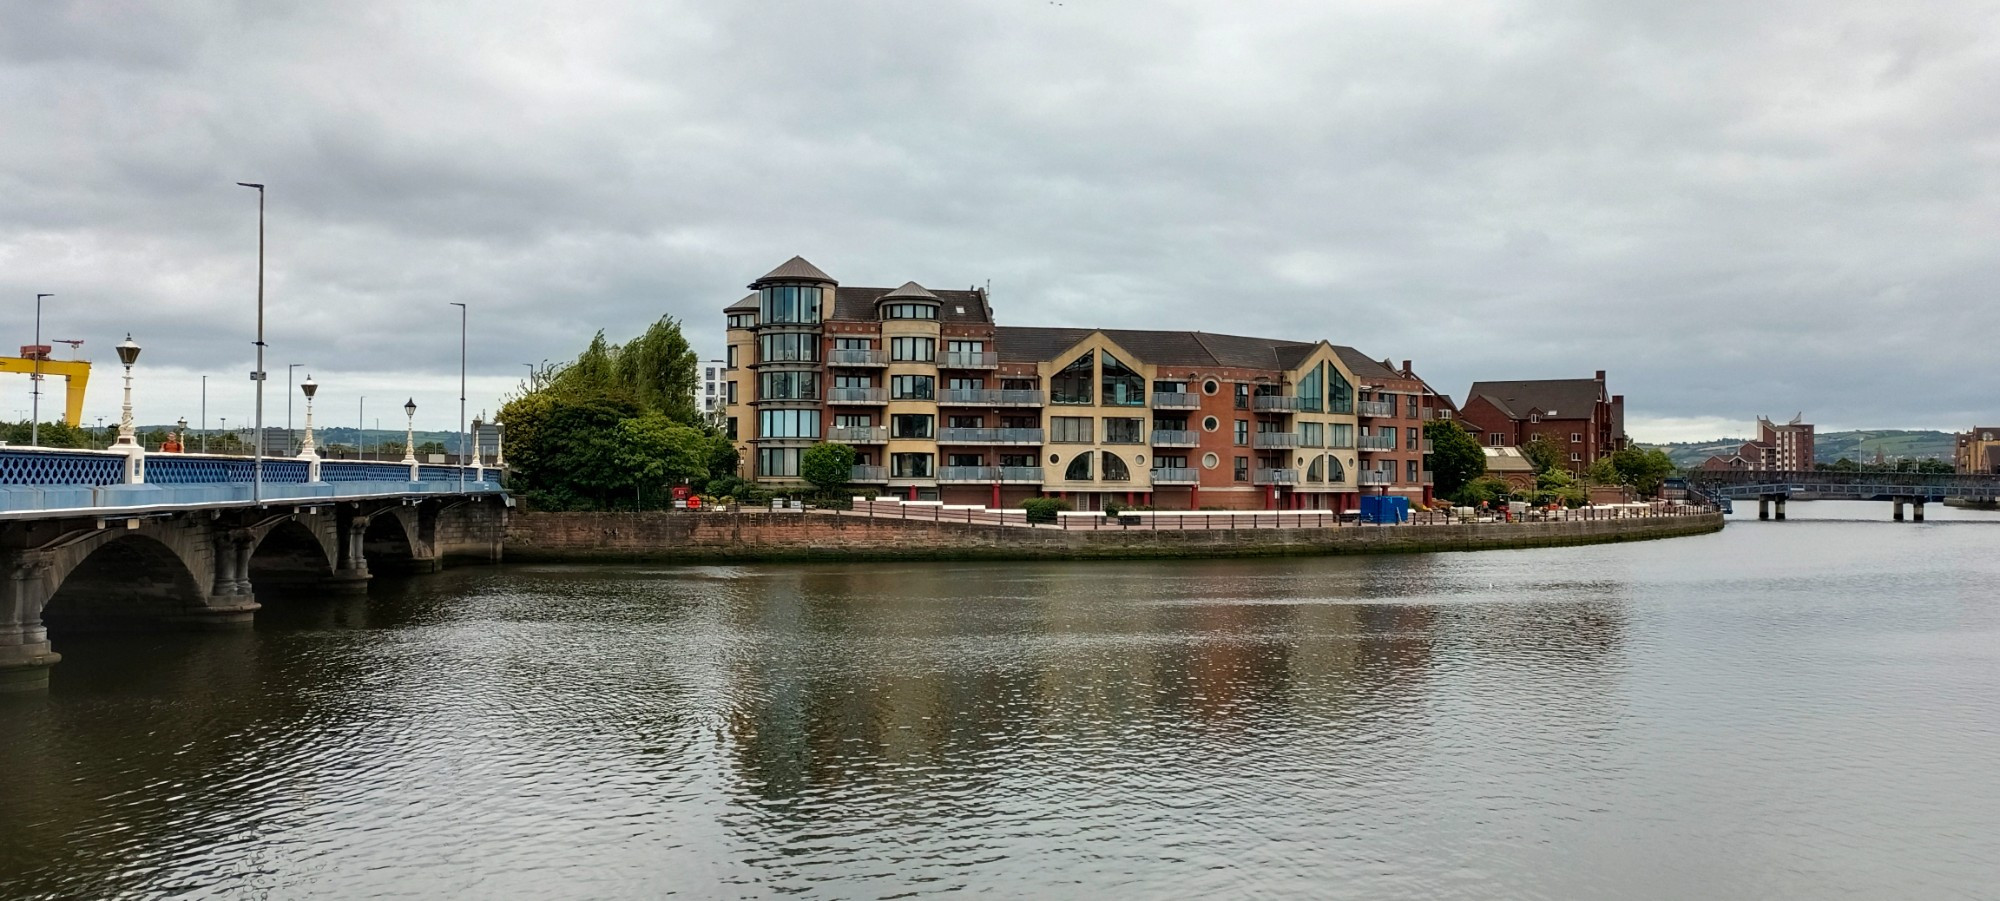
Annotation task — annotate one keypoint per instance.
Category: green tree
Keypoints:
(659, 369)
(1455, 458)
(826, 465)
(654, 451)
(1543, 453)
(1641, 469)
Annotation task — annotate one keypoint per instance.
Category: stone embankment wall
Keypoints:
(697, 537)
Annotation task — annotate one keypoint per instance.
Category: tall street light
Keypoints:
(35, 423)
(310, 388)
(128, 354)
(410, 436)
(257, 479)
(461, 394)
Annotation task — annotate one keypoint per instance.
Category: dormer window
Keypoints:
(909, 311)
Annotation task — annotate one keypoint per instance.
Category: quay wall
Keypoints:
(747, 537)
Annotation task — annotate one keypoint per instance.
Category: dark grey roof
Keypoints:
(910, 290)
(1362, 365)
(1562, 398)
(748, 303)
(858, 304)
(795, 269)
(1022, 344)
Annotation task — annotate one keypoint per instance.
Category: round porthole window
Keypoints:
(1211, 423)
(1138, 458)
(1211, 386)
(1209, 461)
(1302, 461)
(1055, 458)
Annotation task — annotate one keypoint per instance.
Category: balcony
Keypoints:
(1031, 475)
(871, 358)
(1377, 477)
(1437, 413)
(857, 435)
(1275, 477)
(1274, 440)
(1176, 438)
(1380, 409)
(1168, 400)
(962, 474)
(1377, 442)
(1275, 403)
(989, 436)
(969, 359)
(868, 474)
(989, 397)
(857, 395)
(1178, 475)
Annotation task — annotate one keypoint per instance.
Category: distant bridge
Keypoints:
(117, 539)
(1903, 488)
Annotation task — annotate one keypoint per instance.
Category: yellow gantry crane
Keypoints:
(75, 373)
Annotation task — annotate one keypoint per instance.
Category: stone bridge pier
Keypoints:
(207, 568)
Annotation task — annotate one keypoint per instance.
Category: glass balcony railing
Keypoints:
(1275, 477)
(1274, 440)
(857, 435)
(1377, 477)
(1169, 400)
(989, 436)
(868, 474)
(1029, 474)
(1179, 475)
(969, 359)
(1381, 409)
(1275, 403)
(1377, 442)
(969, 474)
(857, 358)
(1176, 438)
(857, 395)
(989, 397)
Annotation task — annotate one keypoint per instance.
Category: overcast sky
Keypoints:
(1736, 208)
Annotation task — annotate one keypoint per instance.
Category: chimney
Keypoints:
(1406, 367)
(1600, 375)
(1618, 400)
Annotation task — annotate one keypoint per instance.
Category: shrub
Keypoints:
(1044, 509)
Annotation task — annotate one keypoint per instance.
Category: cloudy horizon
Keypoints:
(1736, 209)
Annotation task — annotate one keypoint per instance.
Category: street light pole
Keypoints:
(461, 394)
(257, 480)
(35, 417)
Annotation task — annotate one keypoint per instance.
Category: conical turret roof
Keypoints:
(909, 291)
(795, 269)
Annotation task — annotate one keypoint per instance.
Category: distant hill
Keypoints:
(1859, 445)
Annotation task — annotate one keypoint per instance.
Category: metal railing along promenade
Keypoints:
(1755, 483)
(34, 480)
(1199, 520)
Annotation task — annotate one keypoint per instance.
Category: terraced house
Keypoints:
(943, 404)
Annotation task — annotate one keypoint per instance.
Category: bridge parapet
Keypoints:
(53, 481)
(1826, 483)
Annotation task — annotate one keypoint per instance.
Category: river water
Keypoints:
(1807, 709)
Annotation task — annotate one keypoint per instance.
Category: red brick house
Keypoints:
(1579, 415)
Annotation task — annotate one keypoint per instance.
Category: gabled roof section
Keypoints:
(858, 304)
(746, 305)
(1364, 366)
(909, 290)
(795, 269)
(1561, 398)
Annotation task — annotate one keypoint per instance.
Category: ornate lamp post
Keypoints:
(135, 454)
(180, 435)
(499, 448)
(309, 388)
(410, 436)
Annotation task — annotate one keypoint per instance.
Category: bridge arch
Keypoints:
(292, 550)
(122, 580)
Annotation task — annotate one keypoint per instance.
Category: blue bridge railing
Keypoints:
(36, 479)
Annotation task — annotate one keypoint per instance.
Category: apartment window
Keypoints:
(1175, 424)
(965, 422)
(1122, 431)
(1178, 461)
(1414, 413)
(729, 357)
(1242, 396)
(965, 460)
(912, 425)
(729, 392)
(1072, 384)
(1410, 467)
(1022, 461)
(852, 344)
(1079, 468)
(1243, 429)
(778, 462)
(1388, 470)
(1412, 441)
(1311, 434)
(1114, 468)
(909, 311)
(788, 424)
(1389, 432)
(965, 384)
(910, 466)
(743, 320)
(1122, 386)
(911, 387)
(732, 428)
(1242, 469)
(1576, 458)
(789, 303)
(1496, 439)
(853, 381)
(1311, 390)
(853, 421)
(1339, 434)
(1339, 394)
(1576, 437)
(788, 348)
(788, 385)
(1020, 422)
(1069, 429)
(913, 350)
(1019, 385)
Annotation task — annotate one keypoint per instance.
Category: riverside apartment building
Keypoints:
(941, 403)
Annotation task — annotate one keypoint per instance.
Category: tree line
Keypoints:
(1458, 469)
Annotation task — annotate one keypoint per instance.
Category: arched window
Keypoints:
(1317, 471)
(1071, 385)
(1114, 468)
(1340, 394)
(1333, 471)
(1122, 386)
(1079, 468)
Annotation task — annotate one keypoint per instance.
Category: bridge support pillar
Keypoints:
(351, 575)
(1781, 508)
(25, 654)
(1763, 506)
(1899, 508)
(1917, 510)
